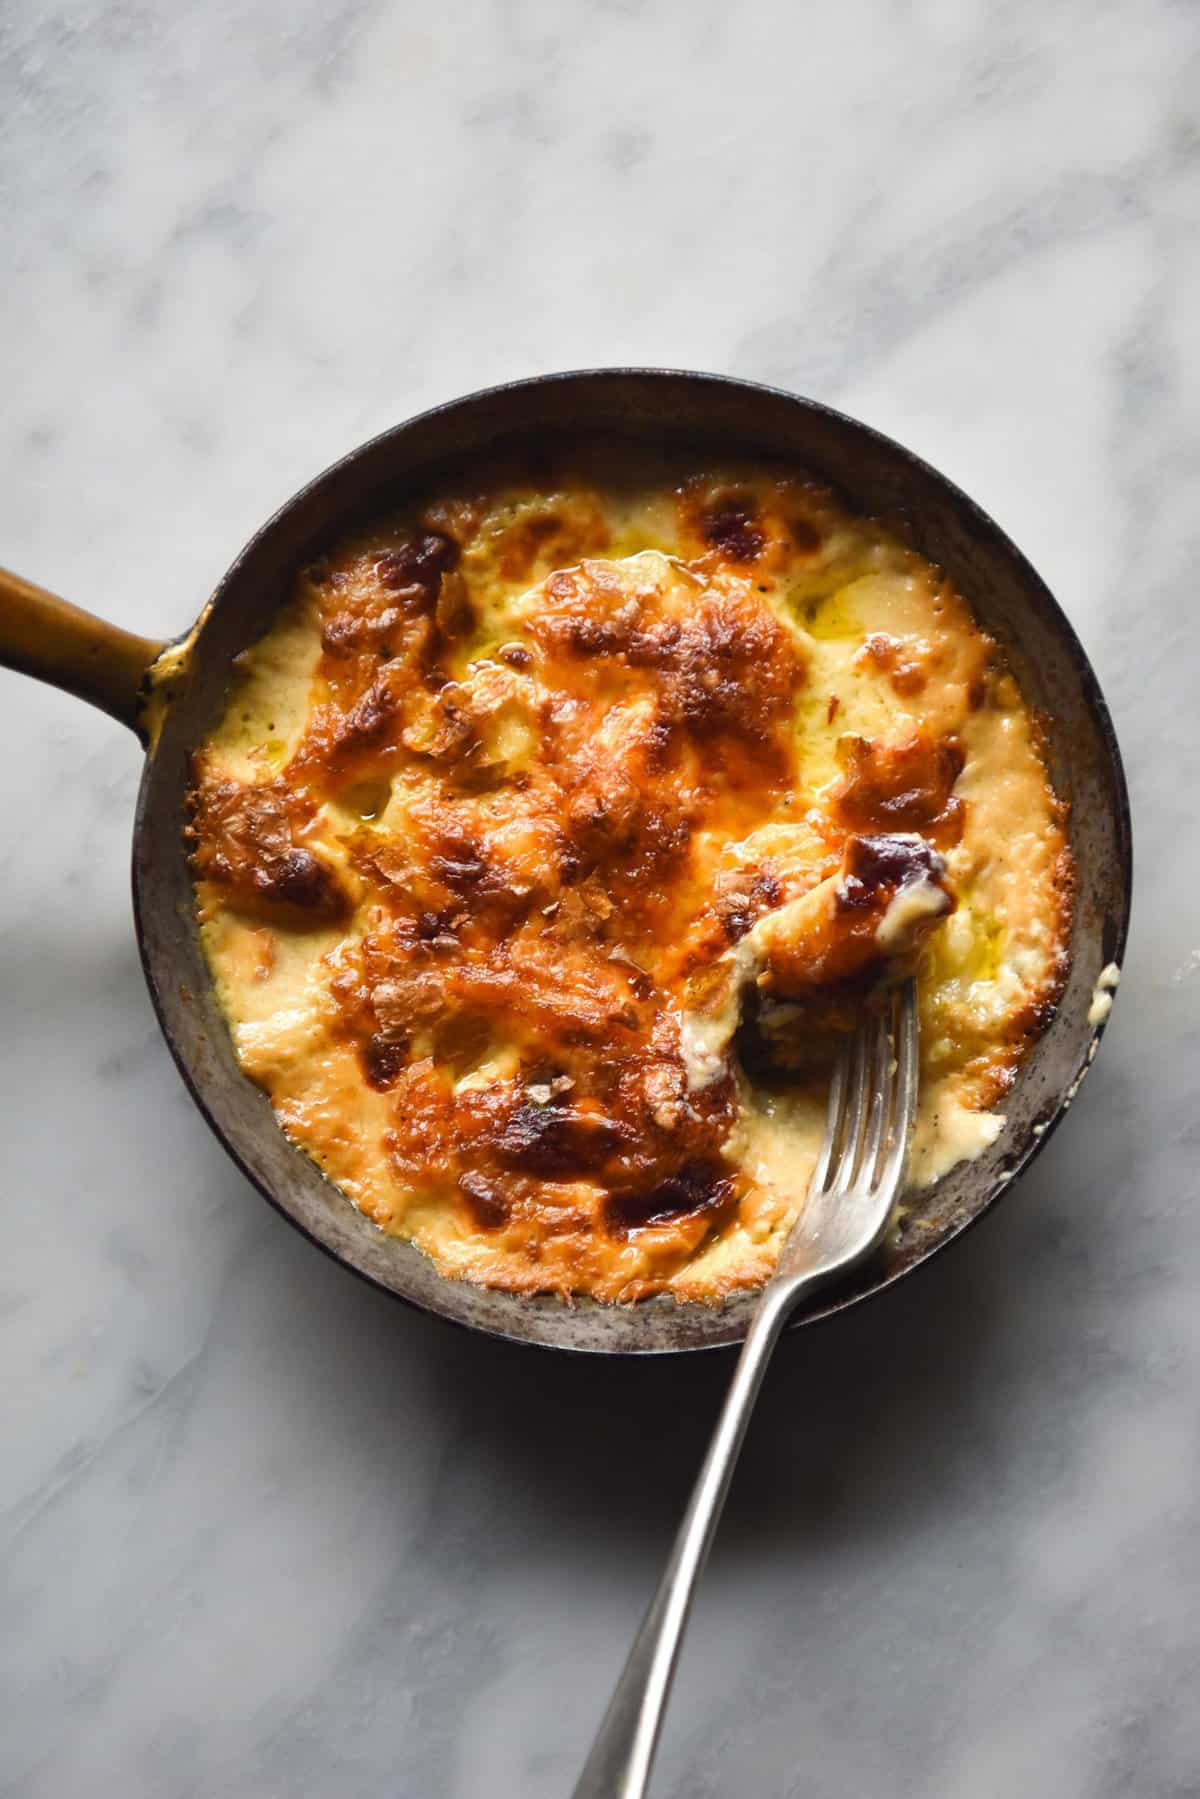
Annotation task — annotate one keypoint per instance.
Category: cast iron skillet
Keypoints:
(170, 695)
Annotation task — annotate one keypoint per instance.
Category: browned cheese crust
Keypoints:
(542, 762)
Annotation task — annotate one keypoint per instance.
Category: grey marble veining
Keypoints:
(266, 1533)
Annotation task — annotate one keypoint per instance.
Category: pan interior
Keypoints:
(690, 413)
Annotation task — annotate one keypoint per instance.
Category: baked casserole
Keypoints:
(561, 826)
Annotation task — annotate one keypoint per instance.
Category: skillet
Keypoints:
(170, 694)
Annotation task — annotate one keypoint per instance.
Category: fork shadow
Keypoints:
(871, 1417)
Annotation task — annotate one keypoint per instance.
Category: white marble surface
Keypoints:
(266, 1533)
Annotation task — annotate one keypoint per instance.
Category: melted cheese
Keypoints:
(556, 812)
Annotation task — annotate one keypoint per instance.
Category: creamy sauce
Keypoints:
(1102, 996)
(948, 1133)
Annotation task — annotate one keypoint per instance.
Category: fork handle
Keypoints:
(619, 1764)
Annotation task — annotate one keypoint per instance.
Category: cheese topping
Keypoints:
(561, 826)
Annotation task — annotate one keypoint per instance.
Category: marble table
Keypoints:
(264, 1531)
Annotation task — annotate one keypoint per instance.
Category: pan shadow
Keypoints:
(872, 1422)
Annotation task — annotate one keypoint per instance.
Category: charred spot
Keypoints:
(300, 880)
(431, 926)
(701, 1185)
(739, 906)
(730, 525)
(666, 837)
(383, 1058)
(596, 637)
(485, 1201)
(709, 703)
(805, 535)
(516, 655)
(890, 861)
(420, 563)
(460, 864)
(873, 864)
(556, 1141)
(767, 888)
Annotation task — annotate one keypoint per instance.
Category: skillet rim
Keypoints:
(982, 524)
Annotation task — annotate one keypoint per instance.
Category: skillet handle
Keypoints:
(44, 636)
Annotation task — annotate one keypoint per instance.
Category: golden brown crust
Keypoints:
(905, 786)
(249, 841)
(540, 843)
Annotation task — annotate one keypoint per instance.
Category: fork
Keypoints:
(854, 1186)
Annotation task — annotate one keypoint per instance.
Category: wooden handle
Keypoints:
(44, 636)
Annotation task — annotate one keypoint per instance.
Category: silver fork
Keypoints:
(872, 1102)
